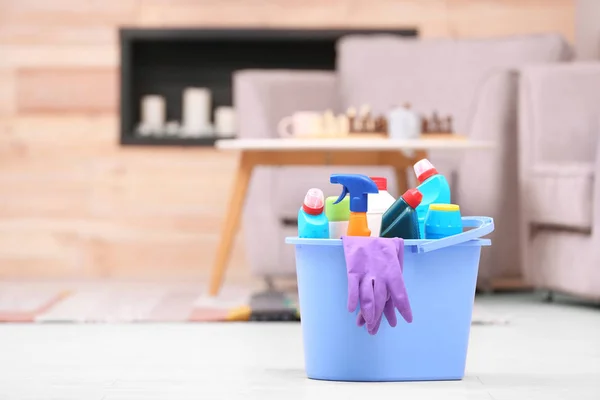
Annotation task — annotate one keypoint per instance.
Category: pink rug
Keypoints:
(89, 302)
(109, 301)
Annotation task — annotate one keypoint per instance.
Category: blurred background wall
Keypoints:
(75, 204)
(587, 29)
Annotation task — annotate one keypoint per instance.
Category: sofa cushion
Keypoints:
(560, 113)
(434, 74)
(561, 195)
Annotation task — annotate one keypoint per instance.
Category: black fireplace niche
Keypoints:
(165, 61)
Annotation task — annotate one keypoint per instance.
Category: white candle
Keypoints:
(225, 123)
(196, 111)
(153, 112)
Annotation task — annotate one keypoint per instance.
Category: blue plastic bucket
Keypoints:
(440, 277)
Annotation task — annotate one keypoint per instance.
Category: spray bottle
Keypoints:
(359, 187)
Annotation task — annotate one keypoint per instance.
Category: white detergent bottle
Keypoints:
(378, 203)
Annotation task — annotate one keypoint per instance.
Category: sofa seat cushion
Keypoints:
(561, 195)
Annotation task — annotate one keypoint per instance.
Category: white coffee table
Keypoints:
(314, 152)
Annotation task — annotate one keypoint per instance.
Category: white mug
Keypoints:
(302, 123)
(403, 123)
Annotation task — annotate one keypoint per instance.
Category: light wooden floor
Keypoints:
(547, 351)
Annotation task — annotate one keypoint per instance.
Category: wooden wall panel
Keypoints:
(86, 90)
(27, 195)
(428, 15)
(13, 32)
(45, 255)
(8, 92)
(149, 259)
(68, 12)
(159, 214)
(489, 18)
(72, 22)
(434, 18)
(42, 141)
(43, 55)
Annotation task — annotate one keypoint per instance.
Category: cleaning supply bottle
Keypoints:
(443, 220)
(338, 215)
(433, 186)
(378, 204)
(312, 222)
(358, 186)
(401, 220)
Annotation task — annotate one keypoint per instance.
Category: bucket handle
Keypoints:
(481, 227)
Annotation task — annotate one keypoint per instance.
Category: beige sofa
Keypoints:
(559, 176)
(475, 81)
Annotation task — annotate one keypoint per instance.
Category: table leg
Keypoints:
(401, 179)
(398, 161)
(418, 155)
(401, 163)
(232, 222)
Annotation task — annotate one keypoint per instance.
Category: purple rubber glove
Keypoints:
(375, 279)
(390, 314)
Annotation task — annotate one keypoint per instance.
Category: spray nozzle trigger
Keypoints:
(344, 193)
(357, 187)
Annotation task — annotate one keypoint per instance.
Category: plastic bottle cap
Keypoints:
(412, 197)
(380, 181)
(314, 202)
(444, 207)
(424, 170)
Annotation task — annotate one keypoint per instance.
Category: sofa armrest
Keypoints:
(487, 179)
(596, 192)
(263, 97)
(559, 121)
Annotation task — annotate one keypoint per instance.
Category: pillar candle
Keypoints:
(196, 111)
(153, 112)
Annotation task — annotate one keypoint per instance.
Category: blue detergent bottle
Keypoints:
(312, 222)
(434, 188)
